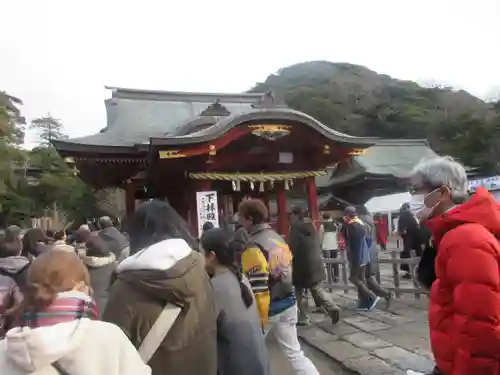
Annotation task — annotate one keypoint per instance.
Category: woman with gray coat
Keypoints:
(241, 347)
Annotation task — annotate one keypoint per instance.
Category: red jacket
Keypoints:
(464, 312)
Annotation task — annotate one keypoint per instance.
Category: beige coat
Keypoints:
(167, 272)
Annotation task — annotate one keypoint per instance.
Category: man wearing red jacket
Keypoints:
(464, 311)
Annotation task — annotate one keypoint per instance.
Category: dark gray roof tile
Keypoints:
(134, 116)
(395, 158)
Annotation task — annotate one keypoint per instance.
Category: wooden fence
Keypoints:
(395, 261)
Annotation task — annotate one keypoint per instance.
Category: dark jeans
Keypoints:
(321, 299)
(405, 254)
(364, 280)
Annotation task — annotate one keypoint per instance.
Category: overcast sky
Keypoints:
(57, 55)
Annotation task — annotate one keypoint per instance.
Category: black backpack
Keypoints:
(426, 272)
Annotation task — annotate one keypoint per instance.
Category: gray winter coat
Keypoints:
(241, 347)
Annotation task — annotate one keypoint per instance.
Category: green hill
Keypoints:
(358, 101)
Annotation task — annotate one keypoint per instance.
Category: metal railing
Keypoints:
(394, 262)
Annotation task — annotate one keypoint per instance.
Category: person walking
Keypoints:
(358, 255)
(308, 268)
(163, 270)
(57, 329)
(381, 230)
(268, 263)
(240, 343)
(101, 263)
(464, 308)
(409, 231)
(329, 243)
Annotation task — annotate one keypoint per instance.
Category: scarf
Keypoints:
(67, 306)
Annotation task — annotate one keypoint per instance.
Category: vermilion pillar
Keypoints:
(282, 212)
(130, 197)
(312, 199)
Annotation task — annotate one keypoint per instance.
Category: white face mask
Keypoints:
(417, 203)
(418, 207)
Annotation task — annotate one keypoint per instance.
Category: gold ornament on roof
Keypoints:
(270, 132)
(170, 154)
(357, 151)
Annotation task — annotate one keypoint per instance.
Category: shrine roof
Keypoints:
(261, 114)
(135, 116)
(393, 158)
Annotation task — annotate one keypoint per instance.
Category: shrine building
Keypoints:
(174, 144)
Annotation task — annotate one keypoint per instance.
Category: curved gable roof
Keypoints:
(262, 114)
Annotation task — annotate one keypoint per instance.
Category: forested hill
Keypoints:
(358, 101)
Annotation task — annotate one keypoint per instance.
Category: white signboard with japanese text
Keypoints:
(207, 208)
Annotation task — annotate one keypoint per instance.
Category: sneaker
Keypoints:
(406, 276)
(362, 306)
(374, 303)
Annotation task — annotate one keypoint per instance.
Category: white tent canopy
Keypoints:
(387, 203)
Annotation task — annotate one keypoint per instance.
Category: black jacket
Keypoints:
(409, 230)
(308, 266)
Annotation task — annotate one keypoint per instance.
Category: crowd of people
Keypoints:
(152, 299)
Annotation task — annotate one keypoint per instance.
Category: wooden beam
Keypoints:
(206, 148)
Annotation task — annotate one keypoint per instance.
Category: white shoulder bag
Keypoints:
(158, 331)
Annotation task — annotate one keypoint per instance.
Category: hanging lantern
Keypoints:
(238, 185)
(287, 186)
(233, 183)
(261, 187)
(326, 149)
(212, 150)
(252, 186)
(271, 184)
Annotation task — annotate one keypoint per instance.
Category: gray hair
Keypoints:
(105, 222)
(443, 171)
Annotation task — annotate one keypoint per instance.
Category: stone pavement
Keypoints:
(386, 341)
(281, 366)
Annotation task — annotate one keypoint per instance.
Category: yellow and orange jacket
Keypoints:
(267, 257)
(256, 268)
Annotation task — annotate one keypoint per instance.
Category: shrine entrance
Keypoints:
(272, 189)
